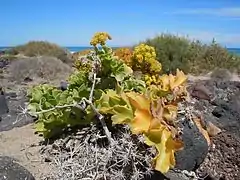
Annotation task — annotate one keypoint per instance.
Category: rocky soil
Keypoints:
(22, 153)
(222, 161)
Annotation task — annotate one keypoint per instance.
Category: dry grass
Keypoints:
(43, 68)
(86, 156)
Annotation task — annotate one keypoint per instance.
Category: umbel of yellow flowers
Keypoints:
(100, 38)
(144, 59)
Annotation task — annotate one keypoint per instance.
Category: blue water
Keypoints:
(234, 50)
(76, 49)
(80, 48)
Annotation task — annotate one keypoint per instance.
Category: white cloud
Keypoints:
(227, 12)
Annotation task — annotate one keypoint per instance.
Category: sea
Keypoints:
(73, 49)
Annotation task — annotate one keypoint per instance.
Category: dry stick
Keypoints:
(100, 116)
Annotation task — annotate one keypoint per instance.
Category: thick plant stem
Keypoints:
(93, 87)
(100, 116)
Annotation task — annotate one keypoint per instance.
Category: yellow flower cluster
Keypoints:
(144, 59)
(100, 38)
(152, 79)
(82, 66)
(124, 54)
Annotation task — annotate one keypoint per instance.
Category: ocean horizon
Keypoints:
(73, 49)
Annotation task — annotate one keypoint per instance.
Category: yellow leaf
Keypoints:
(170, 112)
(154, 135)
(155, 124)
(178, 80)
(147, 141)
(201, 130)
(138, 101)
(171, 81)
(163, 161)
(162, 139)
(165, 82)
(141, 121)
(180, 77)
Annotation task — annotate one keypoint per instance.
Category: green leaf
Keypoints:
(36, 95)
(122, 114)
(56, 93)
(33, 107)
(39, 126)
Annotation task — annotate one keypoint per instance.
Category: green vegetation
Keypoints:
(191, 56)
(42, 48)
(105, 91)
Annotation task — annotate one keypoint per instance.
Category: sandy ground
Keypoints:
(22, 144)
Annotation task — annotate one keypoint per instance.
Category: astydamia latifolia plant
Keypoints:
(136, 119)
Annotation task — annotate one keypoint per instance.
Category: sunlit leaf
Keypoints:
(122, 114)
(141, 121)
(138, 101)
(165, 82)
(178, 80)
(165, 159)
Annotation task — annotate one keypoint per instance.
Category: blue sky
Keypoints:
(73, 22)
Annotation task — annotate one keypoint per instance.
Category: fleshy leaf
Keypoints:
(138, 101)
(141, 121)
(178, 80)
(165, 159)
(122, 114)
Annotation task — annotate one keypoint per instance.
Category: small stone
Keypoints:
(63, 85)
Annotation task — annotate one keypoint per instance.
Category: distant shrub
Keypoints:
(191, 56)
(42, 48)
(172, 52)
(206, 58)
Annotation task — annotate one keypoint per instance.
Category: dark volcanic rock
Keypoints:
(224, 109)
(63, 85)
(195, 148)
(13, 118)
(3, 104)
(228, 114)
(222, 161)
(10, 170)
